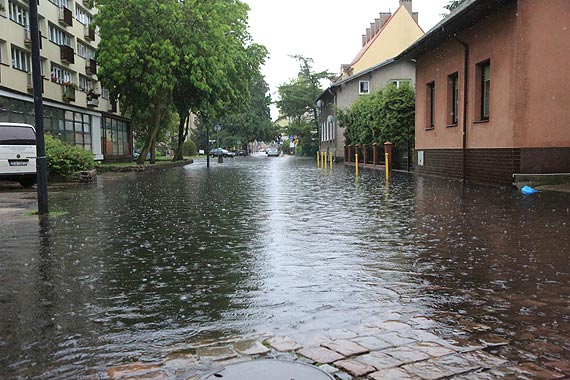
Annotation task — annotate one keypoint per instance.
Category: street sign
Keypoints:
(218, 128)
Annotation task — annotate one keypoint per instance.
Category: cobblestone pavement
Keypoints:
(384, 350)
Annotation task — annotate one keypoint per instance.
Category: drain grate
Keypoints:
(268, 369)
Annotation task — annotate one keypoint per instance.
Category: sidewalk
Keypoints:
(381, 350)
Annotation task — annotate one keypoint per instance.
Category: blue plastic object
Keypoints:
(527, 190)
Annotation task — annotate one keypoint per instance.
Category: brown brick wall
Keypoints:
(483, 165)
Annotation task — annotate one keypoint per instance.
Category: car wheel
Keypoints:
(28, 181)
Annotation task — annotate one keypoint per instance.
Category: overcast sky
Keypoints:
(328, 31)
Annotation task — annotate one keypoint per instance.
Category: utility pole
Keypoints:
(41, 163)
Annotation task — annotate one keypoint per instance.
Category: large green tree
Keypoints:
(137, 58)
(453, 4)
(297, 103)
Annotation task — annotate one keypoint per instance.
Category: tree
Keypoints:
(217, 62)
(453, 4)
(137, 57)
(386, 115)
(297, 103)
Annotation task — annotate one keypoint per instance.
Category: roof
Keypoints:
(358, 75)
(466, 15)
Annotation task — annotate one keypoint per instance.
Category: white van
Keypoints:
(18, 153)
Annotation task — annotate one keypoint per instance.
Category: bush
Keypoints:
(64, 159)
(189, 148)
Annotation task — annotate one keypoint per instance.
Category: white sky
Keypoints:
(328, 31)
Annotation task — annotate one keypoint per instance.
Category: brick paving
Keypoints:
(390, 350)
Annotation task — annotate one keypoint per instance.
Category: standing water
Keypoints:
(141, 264)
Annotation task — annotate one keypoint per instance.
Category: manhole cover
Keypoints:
(268, 369)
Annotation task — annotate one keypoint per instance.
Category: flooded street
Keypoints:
(142, 265)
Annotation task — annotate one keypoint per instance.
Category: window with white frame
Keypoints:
(61, 75)
(3, 52)
(85, 51)
(364, 87)
(19, 13)
(104, 93)
(86, 84)
(60, 3)
(21, 59)
(399, 82)
(82, 15)
(58, 36)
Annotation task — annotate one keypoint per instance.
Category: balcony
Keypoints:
(92, 99)
(68, 92)
(27, 37)
(67, 54)
(91, 66)
(89, 32)
(65, 16)
(88, 3)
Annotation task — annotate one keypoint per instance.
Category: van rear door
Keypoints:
(17, 149)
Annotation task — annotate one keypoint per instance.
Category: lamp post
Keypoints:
(218, 128)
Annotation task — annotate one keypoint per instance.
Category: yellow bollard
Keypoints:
(325, 159)
(387, 164)
(318, 161)
(356, 162)
(331, 159)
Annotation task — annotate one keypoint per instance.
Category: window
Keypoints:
(58, 36)
(399, 82)
(82, 15)
(3, 52)
(430, 97)
(116, 135)
(485, 75)
(19, 13)
(104, 93)
(60, 3)
(21, 59)
(61, 75)
(86, 84)
(453, 98)
(364, 87)
(85, 51)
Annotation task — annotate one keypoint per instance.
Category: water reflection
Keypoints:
(142, 264)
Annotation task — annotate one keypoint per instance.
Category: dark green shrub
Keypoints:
(64, 159)
(189, 148)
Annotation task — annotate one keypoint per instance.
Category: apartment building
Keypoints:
(76, 108)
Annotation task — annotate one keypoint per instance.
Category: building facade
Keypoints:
(493, 88)
(343, 94)
(373, 68)
(76, 108)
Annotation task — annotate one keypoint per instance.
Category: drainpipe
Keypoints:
(465, 102)
(334, 123)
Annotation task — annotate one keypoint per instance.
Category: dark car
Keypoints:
(216, 152)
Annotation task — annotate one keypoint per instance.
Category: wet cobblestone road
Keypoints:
(171, 275)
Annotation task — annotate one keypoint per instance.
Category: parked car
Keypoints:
(240, 152)
(272, 152)
(18, 153)
(216, 152)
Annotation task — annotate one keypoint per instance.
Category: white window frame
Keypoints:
(21, 59)
(85, 51)
(61, 75)
(58, 36)
(19, 13)
(86, 84)
(82, 16)
(60, 3)
(364, 87)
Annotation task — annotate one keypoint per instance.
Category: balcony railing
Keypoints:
(92, 99)
(27, 36)
(88, 3)
(67, 54)
(65, 16)
(68, 92)
(89, 32)
(91, 66)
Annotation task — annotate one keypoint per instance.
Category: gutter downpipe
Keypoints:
(465, 103)
(334, 123)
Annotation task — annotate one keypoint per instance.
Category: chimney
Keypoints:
(364, 41)
(407, 4)
(373, 29)
(415, 16)
(383, 18)
(368, 34)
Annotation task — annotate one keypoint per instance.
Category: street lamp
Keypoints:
(218, 128)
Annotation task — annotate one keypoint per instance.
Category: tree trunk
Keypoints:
(153, 151)
(182, 133)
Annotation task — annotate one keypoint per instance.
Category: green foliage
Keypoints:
(64, 159)
(453, 4)
(386, 115)
(189, 148)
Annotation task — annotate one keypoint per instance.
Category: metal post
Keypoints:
(318, 159)
(356, 161)
(207, 143)
(41, 163)
(387, 164)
